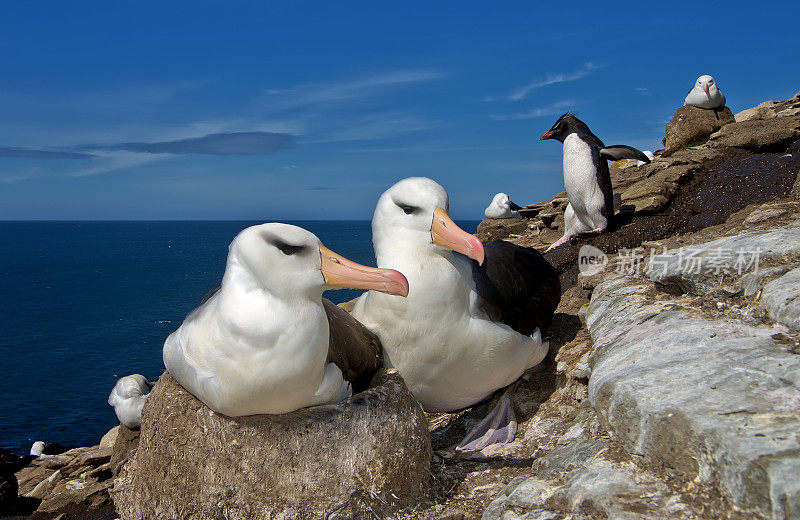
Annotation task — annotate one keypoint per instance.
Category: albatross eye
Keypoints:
(407, 209)
(287, 249)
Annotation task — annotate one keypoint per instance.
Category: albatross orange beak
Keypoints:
(446, 234)
(341, 272)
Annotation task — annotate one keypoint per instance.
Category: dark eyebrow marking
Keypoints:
(407, 208)
(286, 249)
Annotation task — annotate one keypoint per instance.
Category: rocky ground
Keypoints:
(670, 391)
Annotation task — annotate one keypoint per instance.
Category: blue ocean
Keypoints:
(84, 303)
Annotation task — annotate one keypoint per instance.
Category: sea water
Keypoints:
(85, 303)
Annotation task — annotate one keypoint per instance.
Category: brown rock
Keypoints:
(127, 441)
(492, 226)
(653, 193)
(93, 458)
(796, 187)
(56, 461)
(110, 437)
(758, 135)
(31, 476)
(194, 463)
(691, 125)
(763, 110)
(44, 487)
(76, 494)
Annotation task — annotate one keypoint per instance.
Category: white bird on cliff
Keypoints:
(705, 94)
(263, 341)
(650, 155)
(128, 398)
(473, 319)
(502, 207)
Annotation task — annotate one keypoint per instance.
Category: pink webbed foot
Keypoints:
(595, 231)
(499, 426)
(558, 242)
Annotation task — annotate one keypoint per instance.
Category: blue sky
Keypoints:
(293, 109)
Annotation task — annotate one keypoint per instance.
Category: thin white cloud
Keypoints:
(322, 93)
(429, 149)
(228, 143)
(11, 178)
(114, 161)
(376, 126)
(551, 79)
(550, 110)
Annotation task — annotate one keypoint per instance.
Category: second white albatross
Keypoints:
(261, 342)
(473, 319)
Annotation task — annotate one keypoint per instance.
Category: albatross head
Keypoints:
(290, 260)
(707, 84)
(502, 201)
(134, 385)
(412, 215)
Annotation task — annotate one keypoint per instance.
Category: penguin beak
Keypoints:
(340, 272)
(547, 135)
(446, 234)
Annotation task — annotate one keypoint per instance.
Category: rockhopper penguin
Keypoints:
(586, 176)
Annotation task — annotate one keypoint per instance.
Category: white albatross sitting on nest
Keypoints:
(705, 94)
(502, 207)
(473, 319)
(263, 342)
(128, 397)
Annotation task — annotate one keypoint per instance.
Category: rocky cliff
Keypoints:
(672, 389)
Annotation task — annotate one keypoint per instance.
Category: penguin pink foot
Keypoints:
(595, 231)
(499, 426)
(559, 242)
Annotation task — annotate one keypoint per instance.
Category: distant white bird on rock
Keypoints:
(705, 94)
(43, 450)
(502, 207)
(649, 155)
(263, 342)
(128, 397)
(37, 450)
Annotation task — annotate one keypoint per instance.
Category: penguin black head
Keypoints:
(565, 125)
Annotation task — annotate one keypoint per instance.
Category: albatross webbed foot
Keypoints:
(499, 426)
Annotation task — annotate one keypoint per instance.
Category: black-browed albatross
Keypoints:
(473, 319)
(263, 342)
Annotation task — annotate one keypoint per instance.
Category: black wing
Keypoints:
(210, 294)
(514, 207)
(604, 181)
(356, 351)
(623, 151)
(517, 286)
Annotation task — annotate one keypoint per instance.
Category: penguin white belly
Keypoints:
(583, 191)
